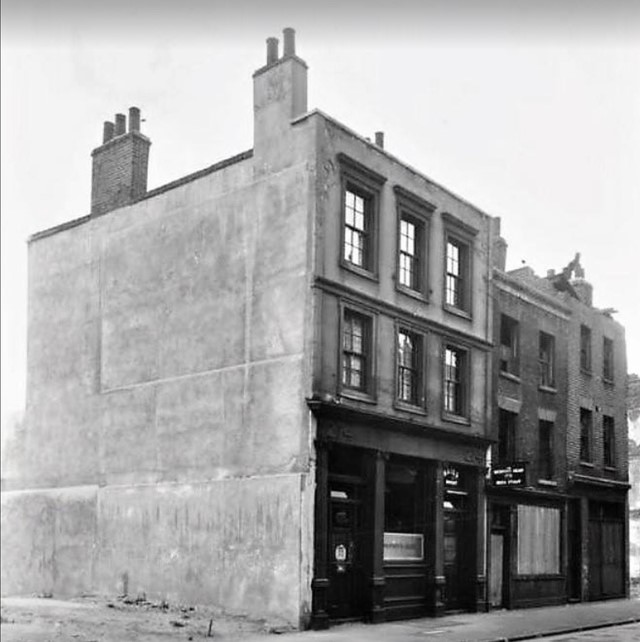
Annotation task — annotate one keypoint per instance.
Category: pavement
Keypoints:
(95, 619)
(496, 626)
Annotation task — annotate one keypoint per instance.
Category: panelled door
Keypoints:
(346, 598)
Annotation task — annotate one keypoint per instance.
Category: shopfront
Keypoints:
(398, 530)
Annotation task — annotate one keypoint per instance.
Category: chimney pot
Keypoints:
(272, 50)
(121, 124)
(107, 131)
(134, 119)
(551, 273)
(380, 139)
(289, 41)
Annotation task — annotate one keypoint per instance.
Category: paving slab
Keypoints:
(497, 626)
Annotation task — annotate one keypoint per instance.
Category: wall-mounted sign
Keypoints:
(403, 546)
(451, 476)
(508, 476)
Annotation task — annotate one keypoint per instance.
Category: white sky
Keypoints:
(530, 110)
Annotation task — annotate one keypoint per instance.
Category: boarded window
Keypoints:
(538, 540)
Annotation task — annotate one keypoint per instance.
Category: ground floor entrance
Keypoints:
(598, 563)
(396, 535)
(526, 539)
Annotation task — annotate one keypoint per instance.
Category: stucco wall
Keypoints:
(167, 370)
(232, 542)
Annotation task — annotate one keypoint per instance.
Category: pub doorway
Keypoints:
(347, 594)
(459, 551)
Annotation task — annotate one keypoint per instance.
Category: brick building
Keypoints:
(633, 409)
(558, 528)
(268, 385)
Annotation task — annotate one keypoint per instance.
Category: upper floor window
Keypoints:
(508, 345)
(507, 426)
(356, 351)
(459, 238)
(546, 359)
(585, 348)
(455, 381)
(586, 420)
(413, 226)
(360, 201)
(545, 449)
(358, 215)
(607, 359)
(608, 441)
(409, 378)
(410, 260)
(456, 285)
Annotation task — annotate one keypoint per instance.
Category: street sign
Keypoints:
(508, 475)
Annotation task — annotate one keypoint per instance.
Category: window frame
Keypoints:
(514, 370)
(511, 428)
(463, 236)
(586, 349)
(413, 209)
(419, 404)
(549, 381)
(586, 436)
(608, 360)
(545, 454)
(366, 393)
(465, 383)
(368, 184)
(608, 441)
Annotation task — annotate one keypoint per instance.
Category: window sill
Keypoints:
(363, 272)
(550, 389)
(508, 375)
(355, 395)
(414, 294)
(409, 407)
(459, 312)
(610, 469)
(456, 419)
(586, 372)
(587, 464)
(548, 482)
(608, 382)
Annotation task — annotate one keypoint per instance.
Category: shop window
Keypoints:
(403, 521)
(455, 381)
(545, 449)
(585, 348)
(586, 420)
(546, 360)
(508, 345)
(356, 351)
(507, 423)
(538, 540)
(409, 375)
(607, 359)
(608, 441)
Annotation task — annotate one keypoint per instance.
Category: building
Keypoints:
(633, 409)
(267, 380)
(270, 383)
(557, 494)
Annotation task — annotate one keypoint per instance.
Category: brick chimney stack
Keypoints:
(120, 165)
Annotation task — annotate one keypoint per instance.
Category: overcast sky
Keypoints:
(530, 110)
